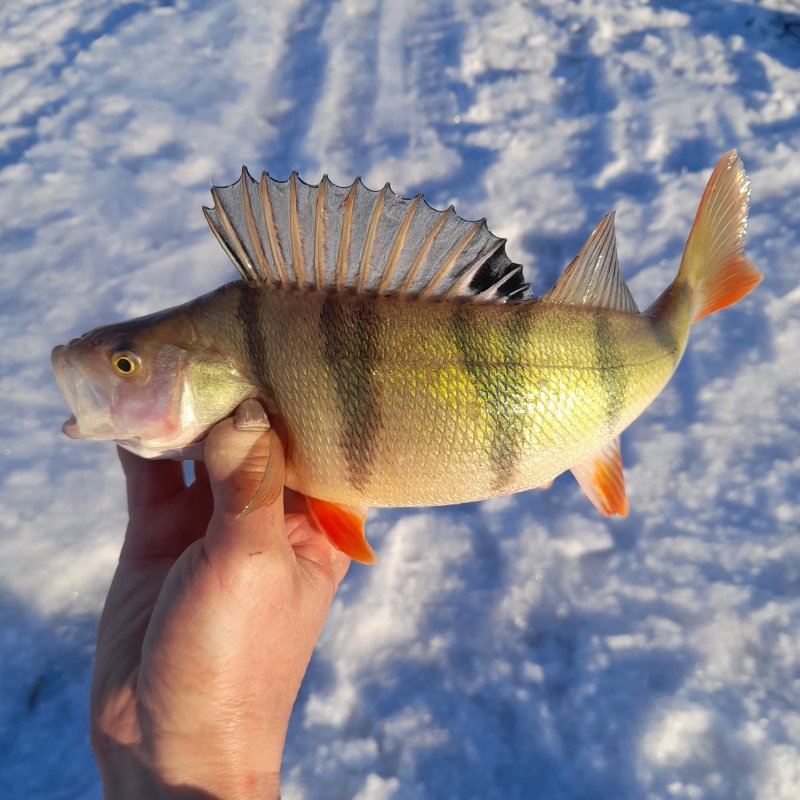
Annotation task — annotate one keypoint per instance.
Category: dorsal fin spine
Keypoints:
(366, 253)
(252, 229)
(294, 227)
(269, 222)
(605, 273)
(405, 288)
(344, 240)
(223, 244)
(491, 292)
(235, 244)
(319, 235)
(397, 245)
(466, 279)
(447, 264)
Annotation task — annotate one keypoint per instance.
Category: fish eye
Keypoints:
(125, 363)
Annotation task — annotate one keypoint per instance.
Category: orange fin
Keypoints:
(600, 476)
(344, 527)
(714, 264)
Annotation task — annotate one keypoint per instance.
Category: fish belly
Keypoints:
(393, 402)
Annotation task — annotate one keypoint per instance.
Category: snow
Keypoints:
(519, 648)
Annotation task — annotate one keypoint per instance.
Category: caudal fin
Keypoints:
(714, 266)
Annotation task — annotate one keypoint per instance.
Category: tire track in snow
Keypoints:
(301, 77)
(25, 69)
(391, 93)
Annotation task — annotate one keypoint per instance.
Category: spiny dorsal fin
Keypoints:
(327, 237)
(593, 278)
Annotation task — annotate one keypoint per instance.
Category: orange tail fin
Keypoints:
(344, 527)
(714, 265)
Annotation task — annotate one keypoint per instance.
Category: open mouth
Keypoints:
(87, 403)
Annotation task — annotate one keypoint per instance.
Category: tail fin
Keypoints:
(714, 266)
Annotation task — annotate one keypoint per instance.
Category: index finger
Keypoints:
(150, 482)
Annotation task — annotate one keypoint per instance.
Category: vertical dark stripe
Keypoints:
(249, 312)
(670, 315)
(492, 356)
(612, 377)
(350, 330)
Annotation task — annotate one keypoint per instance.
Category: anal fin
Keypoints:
(344, 527)
(600, 476)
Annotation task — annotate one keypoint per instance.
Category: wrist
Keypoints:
(127, 777)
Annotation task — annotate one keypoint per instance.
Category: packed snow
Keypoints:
(523, 647)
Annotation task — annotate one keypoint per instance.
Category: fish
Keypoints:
(401, 356)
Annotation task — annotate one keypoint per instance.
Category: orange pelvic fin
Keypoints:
(714, 264)
(600, 476)
(344, 527)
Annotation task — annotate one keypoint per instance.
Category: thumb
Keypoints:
(244, 457)
(237, 453)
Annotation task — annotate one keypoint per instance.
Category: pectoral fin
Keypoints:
(600, 476)
(344, 527)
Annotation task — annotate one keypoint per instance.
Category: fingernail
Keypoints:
(250, 416)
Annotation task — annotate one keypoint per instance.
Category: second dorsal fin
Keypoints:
(593, 278)
(292, 234)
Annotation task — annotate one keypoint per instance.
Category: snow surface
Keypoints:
(518, 648)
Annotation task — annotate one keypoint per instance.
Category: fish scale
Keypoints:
(448, 421)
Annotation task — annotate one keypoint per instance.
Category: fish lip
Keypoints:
(69, 380)
(70, 428)
(60, 363)
(59, 360)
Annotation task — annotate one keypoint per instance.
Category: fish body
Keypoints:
(399, 353)
(390, 402)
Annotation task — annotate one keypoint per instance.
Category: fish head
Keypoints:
(153, 385)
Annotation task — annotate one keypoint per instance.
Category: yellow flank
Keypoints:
(396, 402)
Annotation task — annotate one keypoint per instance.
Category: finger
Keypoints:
(243, 455)
(201, 474)
(150, 481)
(166, 530)
(313, 548)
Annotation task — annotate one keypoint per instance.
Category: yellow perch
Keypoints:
(399, 352)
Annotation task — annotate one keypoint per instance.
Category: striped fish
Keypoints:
(399, 352)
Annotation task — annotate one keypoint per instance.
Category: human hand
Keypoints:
(209, 624)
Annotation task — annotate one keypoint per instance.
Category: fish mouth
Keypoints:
(61, 364)
(89, 406)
